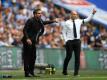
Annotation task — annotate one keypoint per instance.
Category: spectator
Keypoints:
(14, 13)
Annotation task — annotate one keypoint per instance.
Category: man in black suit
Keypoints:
(33, 29)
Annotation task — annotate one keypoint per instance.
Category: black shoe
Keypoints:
(32, 74)
(64, 73)
(76, 75)
(27, 76)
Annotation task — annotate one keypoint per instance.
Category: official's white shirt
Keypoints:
(67, 30)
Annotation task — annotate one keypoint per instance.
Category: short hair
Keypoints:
(36, 10)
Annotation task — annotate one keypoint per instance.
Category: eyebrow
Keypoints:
(38, 13)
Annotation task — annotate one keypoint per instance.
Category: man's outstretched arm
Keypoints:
(90, 17)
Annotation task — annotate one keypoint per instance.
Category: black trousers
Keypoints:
(29, 57)
(72, 45)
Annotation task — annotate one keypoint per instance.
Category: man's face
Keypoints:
(74, 15)
(38, 14)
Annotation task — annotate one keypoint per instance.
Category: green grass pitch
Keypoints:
(84, 75)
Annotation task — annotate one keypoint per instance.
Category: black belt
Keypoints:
(74, 40)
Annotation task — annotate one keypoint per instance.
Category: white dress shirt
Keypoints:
(67, 30)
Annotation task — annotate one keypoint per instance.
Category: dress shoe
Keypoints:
(77, 75)
(32, 74)
(27, 76)
(64, 73)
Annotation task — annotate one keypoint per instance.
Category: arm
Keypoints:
(64, 32)
(48, 22)
(90, 17)
(26, 27)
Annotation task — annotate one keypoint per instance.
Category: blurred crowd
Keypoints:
(14, 13)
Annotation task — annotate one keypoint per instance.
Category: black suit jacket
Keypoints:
(33, 29)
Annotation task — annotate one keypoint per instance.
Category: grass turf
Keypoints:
(84, 75)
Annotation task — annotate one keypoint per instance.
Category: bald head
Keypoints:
(74, 15)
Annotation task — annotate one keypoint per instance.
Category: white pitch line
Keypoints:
(92, 77)
(55, 79)
(69, 78)
(74, 78)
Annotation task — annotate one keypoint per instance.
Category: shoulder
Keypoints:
(67, 21)
(30, 20)
(79, 20)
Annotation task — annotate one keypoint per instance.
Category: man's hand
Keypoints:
(56, 20)
(94, 11)
(29, 41)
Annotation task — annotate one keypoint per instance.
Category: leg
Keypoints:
(68, 57)
(25, 54)
(77, 49)
(32, 61)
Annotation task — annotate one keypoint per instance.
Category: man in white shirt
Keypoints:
(71, 34)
